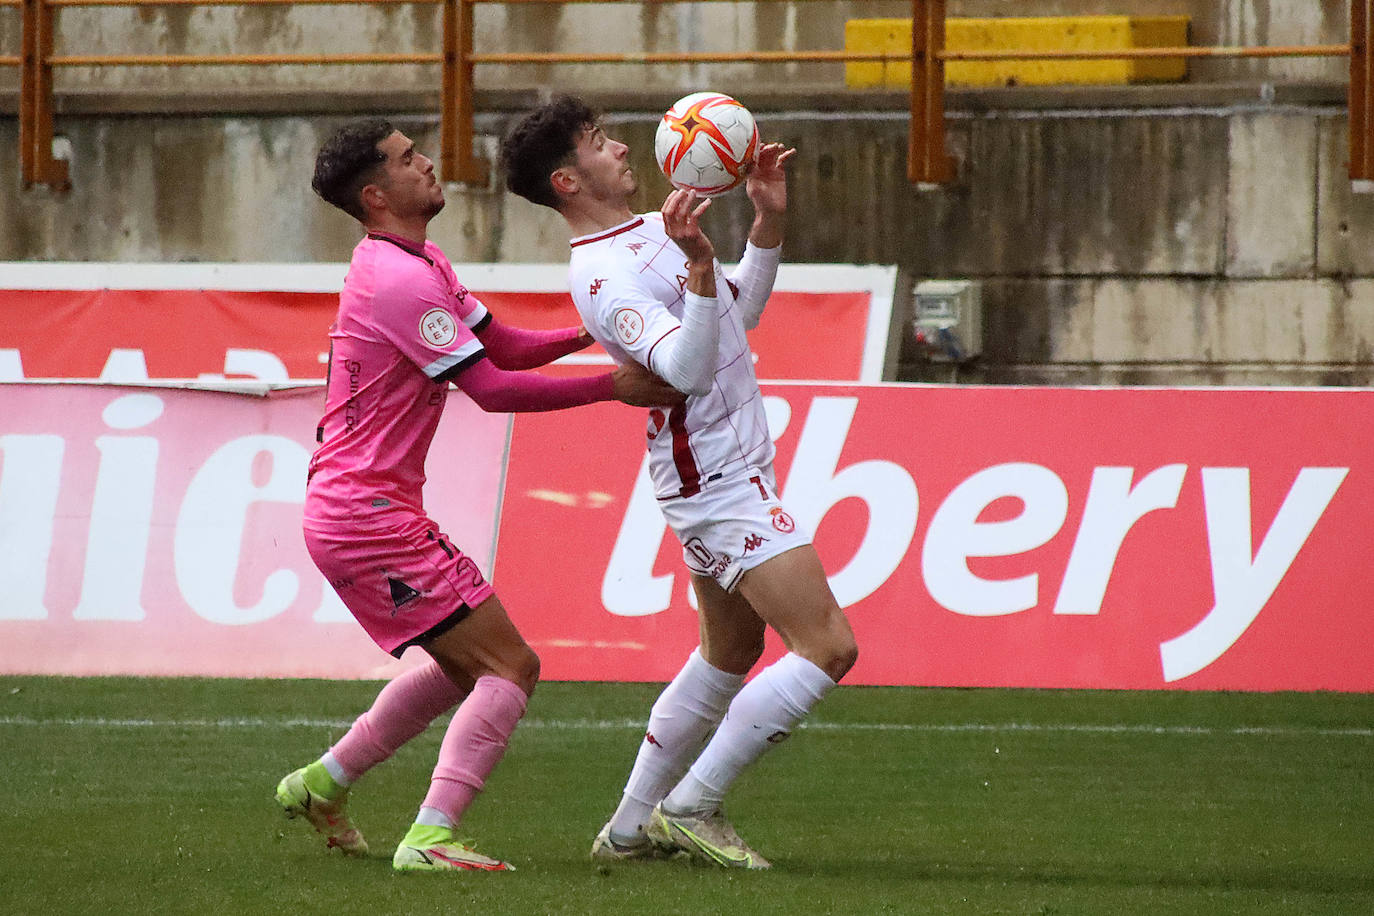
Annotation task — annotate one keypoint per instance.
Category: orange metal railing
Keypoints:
(928, 160)
(929, 163)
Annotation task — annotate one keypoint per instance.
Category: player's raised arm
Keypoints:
(687, 359)
(767, 190)
(758, 269)
(682, 212)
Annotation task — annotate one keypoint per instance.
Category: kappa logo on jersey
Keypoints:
(782, 521)
(753, 542)
(629, 324)
(635, 246)
(596, 285)
(438, 328)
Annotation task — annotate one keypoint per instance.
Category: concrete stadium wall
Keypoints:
(582, 27)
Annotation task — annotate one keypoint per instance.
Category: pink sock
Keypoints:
(474, 743)
(403, 709)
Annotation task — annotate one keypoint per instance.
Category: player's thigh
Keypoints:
(731, 633)
(791, 594)
(486, 642)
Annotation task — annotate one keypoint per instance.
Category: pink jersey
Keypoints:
(404, 320)
(628, 283)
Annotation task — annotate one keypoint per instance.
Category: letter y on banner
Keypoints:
(1242, 587)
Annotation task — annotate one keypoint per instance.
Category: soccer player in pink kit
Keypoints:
(650, 290)
(406, 328)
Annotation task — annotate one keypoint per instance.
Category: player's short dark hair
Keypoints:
(540, 143)
(348, 162)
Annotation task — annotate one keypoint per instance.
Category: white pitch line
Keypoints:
(1264, 731)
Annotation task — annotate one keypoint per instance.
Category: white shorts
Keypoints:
(732, 526)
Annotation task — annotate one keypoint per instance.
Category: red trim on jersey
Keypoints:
(687, 468)
(635, 223)
(649, 360)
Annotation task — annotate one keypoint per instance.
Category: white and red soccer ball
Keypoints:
(706, 143)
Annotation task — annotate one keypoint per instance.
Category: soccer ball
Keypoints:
(705, 143)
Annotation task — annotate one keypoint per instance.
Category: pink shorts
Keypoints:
(405, 583)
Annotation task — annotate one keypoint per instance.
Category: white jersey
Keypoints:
(628, 284)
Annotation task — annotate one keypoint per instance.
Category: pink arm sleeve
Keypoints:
(498, 391)
(519, 348)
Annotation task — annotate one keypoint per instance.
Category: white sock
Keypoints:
(679, 724)
(762, 715)
(335, 770)
(433, 817)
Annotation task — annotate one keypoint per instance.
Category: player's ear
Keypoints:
(372, 197)
(564, 181)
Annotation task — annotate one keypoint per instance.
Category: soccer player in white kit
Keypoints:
(651, 291)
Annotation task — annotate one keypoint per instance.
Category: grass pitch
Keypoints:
(155, 796)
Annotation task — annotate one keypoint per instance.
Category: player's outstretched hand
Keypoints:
(682, 221)
(638, 387)
(767, 181)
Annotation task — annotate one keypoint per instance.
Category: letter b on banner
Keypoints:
(814, 486)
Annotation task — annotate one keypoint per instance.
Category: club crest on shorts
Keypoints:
(782, 521)
(437, 328)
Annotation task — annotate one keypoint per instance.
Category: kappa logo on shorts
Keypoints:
(782, 521)
(753, 542)
(438, 328)
(401, 594)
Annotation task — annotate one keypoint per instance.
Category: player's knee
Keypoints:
(845, 657)
(836, 654)
(524, 670)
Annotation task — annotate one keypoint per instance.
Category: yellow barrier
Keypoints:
(1047, 33)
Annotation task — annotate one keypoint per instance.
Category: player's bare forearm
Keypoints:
(701, 278)
(639, 387)
(767, 189)
(767, 230)
(682, 223)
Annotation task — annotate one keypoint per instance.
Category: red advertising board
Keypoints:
(158, 531)
(270, 322)
(1030, 537)
(1106, 538)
